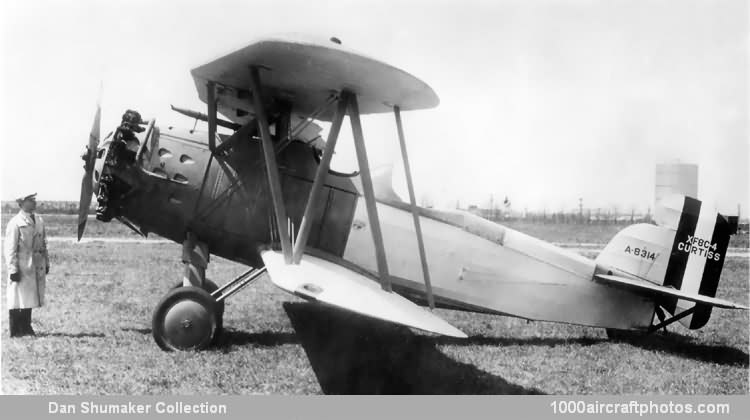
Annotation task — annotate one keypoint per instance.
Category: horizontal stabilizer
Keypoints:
(653, 289)
(326, 282)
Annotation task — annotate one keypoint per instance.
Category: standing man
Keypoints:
(28, 265)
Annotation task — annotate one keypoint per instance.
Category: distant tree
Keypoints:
(615, 214)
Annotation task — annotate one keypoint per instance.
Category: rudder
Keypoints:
(697, 257)
(685, 251)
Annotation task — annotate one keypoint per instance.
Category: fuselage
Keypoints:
(174, 185)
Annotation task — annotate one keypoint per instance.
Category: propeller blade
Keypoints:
(87, 186)
(94, 135)
(84, 203)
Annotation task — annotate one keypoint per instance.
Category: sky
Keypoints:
(544, 102)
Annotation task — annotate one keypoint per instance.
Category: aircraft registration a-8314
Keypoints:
(265, 196)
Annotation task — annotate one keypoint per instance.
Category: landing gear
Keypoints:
(185, 319)
(191, 315)
(628, 335)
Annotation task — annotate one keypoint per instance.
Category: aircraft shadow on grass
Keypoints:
(70, 335)
(352, 354)
(685, 346)
(672, 343)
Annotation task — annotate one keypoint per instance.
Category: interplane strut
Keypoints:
(317, 187)
(347, 104)
(413, 206)
(272, 169)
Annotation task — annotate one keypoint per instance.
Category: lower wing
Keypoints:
(323, 281)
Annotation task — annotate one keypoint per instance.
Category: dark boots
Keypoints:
(26, 317)
(19, 322)
(14, 322)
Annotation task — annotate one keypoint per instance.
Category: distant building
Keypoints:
(676, 178)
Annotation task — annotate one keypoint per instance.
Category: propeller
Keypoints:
(87, 185)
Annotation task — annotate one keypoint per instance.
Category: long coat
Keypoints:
(26, 253)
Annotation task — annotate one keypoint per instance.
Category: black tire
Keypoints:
(211, 287)
(185, 319)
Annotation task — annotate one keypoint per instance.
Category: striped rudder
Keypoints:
(697, 255)
(685, 251)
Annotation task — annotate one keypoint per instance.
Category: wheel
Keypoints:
(185, 319)
(211, 287)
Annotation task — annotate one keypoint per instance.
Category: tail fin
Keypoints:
(698, 252)
(686, 251)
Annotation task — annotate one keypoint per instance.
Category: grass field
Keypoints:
(94, 337)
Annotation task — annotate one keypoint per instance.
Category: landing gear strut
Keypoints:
(191, 315)
(188, 317)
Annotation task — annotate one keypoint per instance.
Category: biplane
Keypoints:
(266, 196)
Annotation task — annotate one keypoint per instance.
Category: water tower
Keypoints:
(676, 178)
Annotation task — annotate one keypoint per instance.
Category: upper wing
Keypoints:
(324, 281)
(305, 74)
(656, 290)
